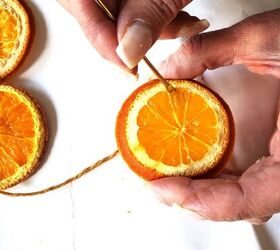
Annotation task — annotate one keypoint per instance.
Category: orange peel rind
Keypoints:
(23, 135)
(15, 34)
(189, 132)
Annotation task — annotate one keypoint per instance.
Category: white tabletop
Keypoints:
(109, 208)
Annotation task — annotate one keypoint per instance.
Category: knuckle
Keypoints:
(224, 199)
(193, 46)
(166, 10)
(204, 47)
(199, 46)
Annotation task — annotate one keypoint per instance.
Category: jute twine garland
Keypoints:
(85, 171)
(68, 181)
(77, 176)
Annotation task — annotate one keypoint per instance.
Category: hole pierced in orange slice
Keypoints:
(23, 135)
(14, 35)
(189, 132)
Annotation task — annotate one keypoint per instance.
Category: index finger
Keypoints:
(99, 29)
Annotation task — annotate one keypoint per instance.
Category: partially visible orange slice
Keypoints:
(23, 134)
(188, 132)
(14, 35)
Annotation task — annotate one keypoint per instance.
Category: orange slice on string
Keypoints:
(14, 35)
(23, 134)
(189, 132)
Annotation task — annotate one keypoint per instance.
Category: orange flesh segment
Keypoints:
(7, 165)
(16, 134)
(8, 33)
(177, 129)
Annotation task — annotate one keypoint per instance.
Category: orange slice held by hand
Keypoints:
(23, 134)
(14, 35)
(189, 132)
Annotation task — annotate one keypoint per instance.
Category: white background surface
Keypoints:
(110, 208)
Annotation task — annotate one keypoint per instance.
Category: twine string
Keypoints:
(66, 182)
(86, 170)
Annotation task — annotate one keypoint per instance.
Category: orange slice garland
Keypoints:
(14, 35)
(23, 134)
(189, 132)
(186, 133)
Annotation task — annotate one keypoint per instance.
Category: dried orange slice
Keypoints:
(14, 35)
(188, 132)
(23, 134)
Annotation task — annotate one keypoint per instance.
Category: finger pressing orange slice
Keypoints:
(23, 135)
(188, 132)
(14, 35)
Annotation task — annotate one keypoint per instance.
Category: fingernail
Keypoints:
(136, 42)
(196, 28)
(187, 212)
(203, 23)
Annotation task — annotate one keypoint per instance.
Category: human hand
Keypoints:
(255, 194)
(139, 25)
(254, 42)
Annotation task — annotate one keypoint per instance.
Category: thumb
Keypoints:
(226, 199)
(215, 199)
(251, 42)
(140, 24)
(204, 51)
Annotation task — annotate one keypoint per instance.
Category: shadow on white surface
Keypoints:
(38, 42)
(48, 109)
(264, 238)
